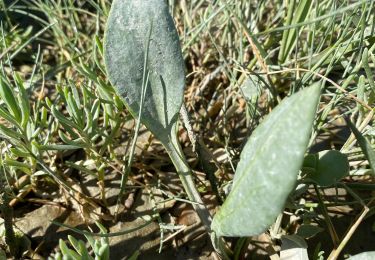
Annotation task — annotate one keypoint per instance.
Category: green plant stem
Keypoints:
(202, 154)
(175, 152)
(120, 233)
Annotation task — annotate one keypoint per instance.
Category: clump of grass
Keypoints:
(60, 117)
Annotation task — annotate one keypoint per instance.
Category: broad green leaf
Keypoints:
(132, 26)
(268, 168)
(364, 256)
(293, 247)
(307, 231)
(330, 167)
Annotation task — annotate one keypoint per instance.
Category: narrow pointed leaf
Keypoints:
(74, 242)
(8, 96)
(365, 145)
(139, 30)
(289, 40)
(368, 70)
(23, 100)
(268, 168)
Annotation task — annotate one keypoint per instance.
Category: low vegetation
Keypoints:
(263, 108)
